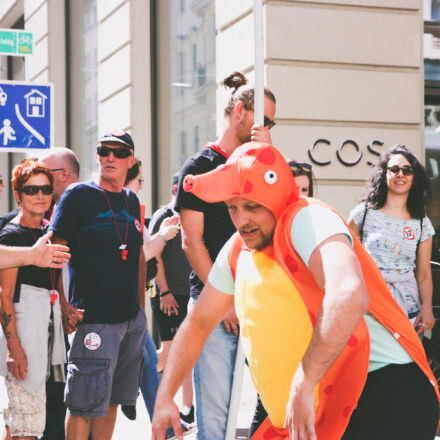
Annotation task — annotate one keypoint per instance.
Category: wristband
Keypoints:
(167, 292)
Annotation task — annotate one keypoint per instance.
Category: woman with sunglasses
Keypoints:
(30, 309)
(392, 225)
(302, 172)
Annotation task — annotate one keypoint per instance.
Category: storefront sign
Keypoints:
(15, 43)
(340, 152)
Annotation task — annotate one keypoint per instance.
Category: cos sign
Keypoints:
(340, 152)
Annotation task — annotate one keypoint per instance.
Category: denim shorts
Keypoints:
(104, 366)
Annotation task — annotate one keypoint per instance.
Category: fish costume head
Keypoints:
(255, 171)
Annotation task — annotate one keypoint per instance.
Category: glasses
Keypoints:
(268, 123)
(33, 190)
(119, 153)
(406, 171)
(306, 167)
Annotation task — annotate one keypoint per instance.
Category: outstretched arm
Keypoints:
(337, 271)
(41, 254)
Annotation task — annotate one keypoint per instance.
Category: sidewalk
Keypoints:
(140, 429)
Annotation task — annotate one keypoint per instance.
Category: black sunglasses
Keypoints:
(32, 190)
(301, 166)
(406, 171)
(268, 123)
(119, 153)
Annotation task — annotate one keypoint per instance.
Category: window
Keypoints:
(84, 83)
(185, 105)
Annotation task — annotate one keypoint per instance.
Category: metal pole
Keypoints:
(259, 119)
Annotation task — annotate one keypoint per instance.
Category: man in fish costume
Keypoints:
(331, 353)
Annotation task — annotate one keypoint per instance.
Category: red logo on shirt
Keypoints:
(138, 225)
(408, 233)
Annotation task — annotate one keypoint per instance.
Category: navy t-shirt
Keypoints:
(177, 268)
(218, 226)
(100, 281)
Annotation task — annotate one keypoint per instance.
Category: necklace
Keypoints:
(53, 294)
(123, 245)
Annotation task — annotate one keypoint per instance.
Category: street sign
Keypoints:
(26, 115)
(15, 42)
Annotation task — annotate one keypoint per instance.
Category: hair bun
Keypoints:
(234, 81)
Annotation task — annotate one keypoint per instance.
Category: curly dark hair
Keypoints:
(242, 92)
(377, 188)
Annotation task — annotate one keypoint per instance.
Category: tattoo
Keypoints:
(6, 319)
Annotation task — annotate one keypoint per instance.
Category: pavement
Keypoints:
(140, 429)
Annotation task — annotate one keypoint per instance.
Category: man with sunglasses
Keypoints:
(101, 221)
(205, 229)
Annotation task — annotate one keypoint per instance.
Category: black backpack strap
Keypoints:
(361, 230)
(421, 232)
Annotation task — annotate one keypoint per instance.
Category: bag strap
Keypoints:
(361, 231)
(421, 232)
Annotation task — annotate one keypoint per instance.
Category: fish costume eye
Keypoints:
(270, 177)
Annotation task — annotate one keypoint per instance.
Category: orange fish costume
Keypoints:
(283, 298)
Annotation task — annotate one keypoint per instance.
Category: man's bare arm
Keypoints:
(337, 271)
(41, 254)
(206, 314)
(198, 256)
(193, 224)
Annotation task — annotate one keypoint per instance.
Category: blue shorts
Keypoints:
(105, 365)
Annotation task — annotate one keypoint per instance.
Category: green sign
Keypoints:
(15, 43)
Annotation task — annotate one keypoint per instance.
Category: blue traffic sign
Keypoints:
(26, 115)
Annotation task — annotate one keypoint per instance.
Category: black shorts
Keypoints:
(398, 403)
(168, 325)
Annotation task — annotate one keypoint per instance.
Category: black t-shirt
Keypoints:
(101, 282)
(4, 220)
(14, 234)
(177, 268)
(218, 226)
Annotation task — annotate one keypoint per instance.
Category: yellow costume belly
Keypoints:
(275, 328)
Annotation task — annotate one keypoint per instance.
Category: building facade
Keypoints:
(351, 77)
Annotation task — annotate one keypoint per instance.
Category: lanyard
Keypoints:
(53, 295)
(123, 246)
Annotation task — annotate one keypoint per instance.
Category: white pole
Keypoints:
(259, 62)
(259, 119)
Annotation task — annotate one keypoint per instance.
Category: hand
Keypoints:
(170, 227)
(300, 411)
(168, 303)
(425, 320)
(71, 316)
(230, 322)
(166, 414)
(16, 361)
(259, 133)
(45, 254)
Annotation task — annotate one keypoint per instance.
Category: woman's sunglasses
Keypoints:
(119, 153)
(306, 167)
(406, 171)
(32, 190)
(269, 123)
